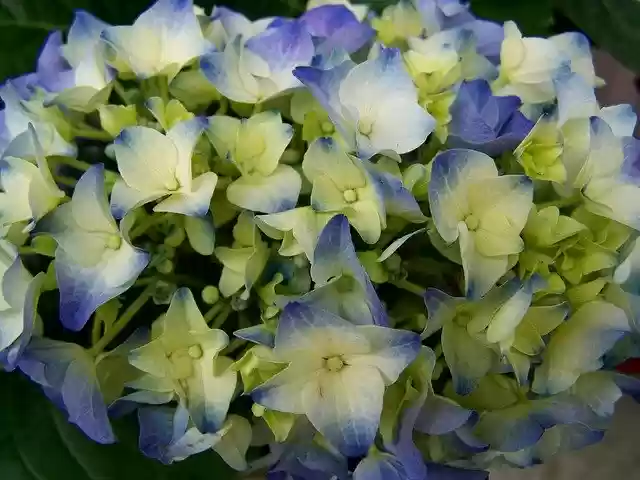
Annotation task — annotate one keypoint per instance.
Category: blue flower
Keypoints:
(95, 261)
(336, 374)
(374, 105)
(161, 41)
(20, 294)
(168, 435)
(76, 71)
(342, 285)
(480, 121)
(255, 69)
(336, 27)
(67, 375)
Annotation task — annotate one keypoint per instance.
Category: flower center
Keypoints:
(195, 351)
(472, 222)
(334, 364)
(172, 185)
(326, 127)
(350, 196)
(114, 241)
(365, 127)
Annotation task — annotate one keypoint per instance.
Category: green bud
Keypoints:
(176, 237)
(210, 294)
(168, 114)
(376, 270)
(44, 245)
(166, 266)
(540, 153)
(193, 89)
(114, 118)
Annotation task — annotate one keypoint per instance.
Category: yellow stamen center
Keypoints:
(472, 222)
(334, 364)
(350, 195)
(327, 127)
(114, 242)
(195, 351)
(365, 127)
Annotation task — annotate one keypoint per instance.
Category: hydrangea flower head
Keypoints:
(336, 373)
(368, 124)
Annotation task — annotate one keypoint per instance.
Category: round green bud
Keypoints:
(176, 237)
(166, 266)
(210, 294)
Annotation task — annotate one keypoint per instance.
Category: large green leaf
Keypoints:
(37, 443)
(534, 17)
(614, 25)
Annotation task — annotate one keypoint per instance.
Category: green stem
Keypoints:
(73, 163)
(409, 287)
(124, 319)
(122, 93)
(68, 181)
(146, 224)
(96, 330)
(163, 88)
(220, 319)
(559, 203)
(213, 311)
(92, 133)
(235, 344)
(224, 106)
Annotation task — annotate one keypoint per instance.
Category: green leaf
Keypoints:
(534, 17)
(37, 443)
(614, 25)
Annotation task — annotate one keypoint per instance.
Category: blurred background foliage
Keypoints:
(613, 25)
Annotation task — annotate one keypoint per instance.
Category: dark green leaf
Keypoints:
(614, 25)
(37, 443)
(534, 17)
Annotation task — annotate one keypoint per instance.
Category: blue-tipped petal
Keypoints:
(84, 289)
(335, 255)
(441, 415)
(336, 27)
(276, 193)
(67, 375)
(259, 334)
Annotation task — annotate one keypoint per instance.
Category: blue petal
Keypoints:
(398, 201)
(441, 415)
(83, 290)
(259, 334)
(380, 466)
(335, 255)
(12, 355)
(53, 71)
(67, 374)
(324, 85)
(284, 47)
(338, 28)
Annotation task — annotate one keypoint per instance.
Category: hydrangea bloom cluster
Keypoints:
(397, 244)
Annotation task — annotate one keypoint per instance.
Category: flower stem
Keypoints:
(124, 319)
(73, 163)
(409, 287)
(235, 344)
(224, 106)
(220, 319)
(93, 134)
(213, 311)
(122, 93)
(146, 224)
(163, 88)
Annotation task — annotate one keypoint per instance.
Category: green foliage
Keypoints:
(37, 443)
(614, 25)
